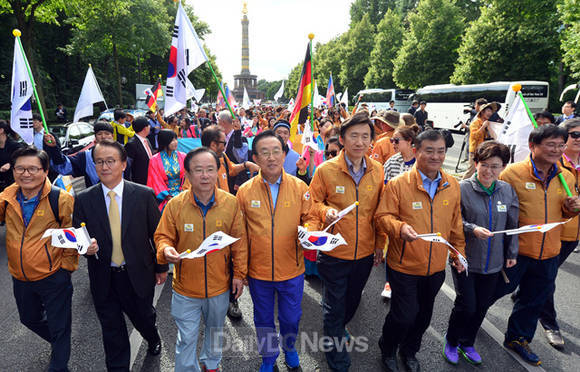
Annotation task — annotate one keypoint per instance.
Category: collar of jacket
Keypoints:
(216, 202)
(9, 194)
(531, 165)
(476, 186)
(341, 161)
(414, 174)
(262, 180)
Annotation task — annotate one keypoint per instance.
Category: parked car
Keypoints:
(73, 137)
(108, 115)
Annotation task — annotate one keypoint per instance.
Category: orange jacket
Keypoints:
(333, 187)
(184, 227)
(571, 230)
(31, 258)
(274, 251)
(476, 135)
(538, 205)
(383, 148)
(405, 200)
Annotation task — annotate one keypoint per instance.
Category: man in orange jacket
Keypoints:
(41, 273)
(274, 203)
(542, 200)
(201, 285)
(352, 176)
(422, 200)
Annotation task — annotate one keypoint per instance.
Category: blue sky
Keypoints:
(278, 32)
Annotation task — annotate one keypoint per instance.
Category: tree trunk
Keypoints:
(118, 72)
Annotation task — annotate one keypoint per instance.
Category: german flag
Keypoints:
(304, 96)
(153, 95)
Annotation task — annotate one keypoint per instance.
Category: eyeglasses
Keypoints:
(330, 153)
(108, 162)
(555, 146)
(276, 153)
(31, 170)
(493, 167)
(200, 171)
(222, 142)
(396, 140)
(574, 135)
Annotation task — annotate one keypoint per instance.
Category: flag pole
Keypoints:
(221, 89)
(518, 89)
(16, 32)
(311, 36)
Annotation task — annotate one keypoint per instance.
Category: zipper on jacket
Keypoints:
(402, 252)
(356, 223)
(545, 220)
(488, 239)
(430, 243)
(272, 214)
(204, 259)
(24, 234)
(48, 255)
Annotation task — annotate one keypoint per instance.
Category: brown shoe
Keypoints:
(554, 338)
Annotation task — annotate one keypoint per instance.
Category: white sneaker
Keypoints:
(386, 293)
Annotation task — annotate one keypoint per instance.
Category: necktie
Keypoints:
(115, 223)
(148, 148)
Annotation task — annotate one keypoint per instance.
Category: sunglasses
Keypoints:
(574, 135)
(331, 153)
(395, 140)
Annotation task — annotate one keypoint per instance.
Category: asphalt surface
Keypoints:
(21, 350)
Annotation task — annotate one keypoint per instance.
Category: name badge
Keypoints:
(255, 204)
(501, 208)
(340, 189)
(224, 176)
(530, 185)
(417, 205)
(445, 202)
(188, 227)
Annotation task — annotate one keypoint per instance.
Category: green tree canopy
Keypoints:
(570, 13)
(388, 40)
(511, 40)
(430, 46)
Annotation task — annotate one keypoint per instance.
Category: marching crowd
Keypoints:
(147, 203)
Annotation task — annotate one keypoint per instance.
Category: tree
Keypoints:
(388, 40)
(355, 56)
(511, 40)
(376, 9)
(570, 14)
(430, 46)
(328, 59)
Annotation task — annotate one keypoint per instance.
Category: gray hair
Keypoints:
(225, 116)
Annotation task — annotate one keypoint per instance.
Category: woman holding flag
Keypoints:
(487, 204)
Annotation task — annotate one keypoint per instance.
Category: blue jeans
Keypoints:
(289, 312)
(187, 312)
(536, 279)
(44, 307)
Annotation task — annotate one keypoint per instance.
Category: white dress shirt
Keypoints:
(145, 145)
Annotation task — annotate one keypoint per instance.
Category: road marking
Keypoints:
(494, 333)
(135, 338)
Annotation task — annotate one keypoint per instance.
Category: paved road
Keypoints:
(23, 351)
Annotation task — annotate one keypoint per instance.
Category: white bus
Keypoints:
(379, 98)
(446, 102)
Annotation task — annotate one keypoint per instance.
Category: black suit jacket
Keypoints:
(139, 218)
(138, 160)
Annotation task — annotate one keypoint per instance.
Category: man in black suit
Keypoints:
(122, 217)
(139, 151)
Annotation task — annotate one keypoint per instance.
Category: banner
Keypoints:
(216, 241)
(319, 240)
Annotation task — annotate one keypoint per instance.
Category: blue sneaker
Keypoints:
(470, 354)
(450, 353)
(522, 348)
(269, 367)
(292, 360)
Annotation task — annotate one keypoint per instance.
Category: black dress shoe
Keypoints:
(388, 359)
(154, 348)
(410, 362)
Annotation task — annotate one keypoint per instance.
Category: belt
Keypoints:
(119, 269)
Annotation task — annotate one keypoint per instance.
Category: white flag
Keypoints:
(516, 130)
(246, 100)
(22, 89)
(69, 238)
(532, 228)
(317, 101)
(198, 94)
(185, 55)
(90, 94)
(319, 240)
(291, 105)
(308, 138)
(343, 213)
(279, 93)
(344, 97)
(216, 241)
(437, 238)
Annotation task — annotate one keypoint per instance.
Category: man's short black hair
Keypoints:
(360, 118)
(140, 123)
(210, 134)
(571, 124)
(544, 114)
(571, 103)
(429, 135)
(119, 114)
(422, 103)
(31, 151)
(547, 131)
(261, 136)
(391, 101)
(200, 150)
(36, 117)
(110, 143)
